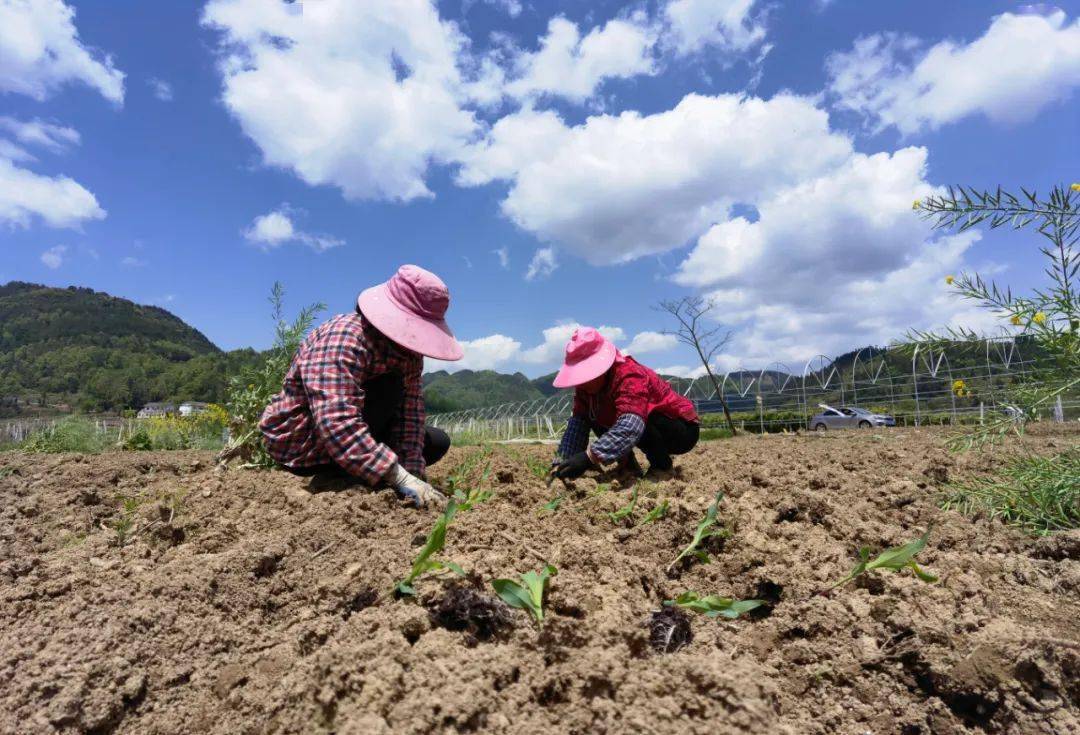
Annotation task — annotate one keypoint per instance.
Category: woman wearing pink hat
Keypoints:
(352, 403)
(625, 403)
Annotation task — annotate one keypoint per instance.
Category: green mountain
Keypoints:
(445, 391)
(94, 352)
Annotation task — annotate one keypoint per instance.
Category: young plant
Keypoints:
(703, 533)
(123, 525)
(896, 558)
(461, 489)
(529, 594)
(552, 505)
(713, 606)
(627, 510)
(655, 514)
(424, 561)
(538, 467)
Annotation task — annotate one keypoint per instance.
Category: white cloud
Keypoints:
(57, 200)
(485, 353)
(1021, 65)
(727, 25)
(54, 257)
(50, 136)
(364, 96)
(542, 265)
(618, 187)
(550, 351)
(503, 254)
(651, 342)
(40, 51)
(131, 262)
(681, 371)
(160, 89)
(571, 66)
(276, 228)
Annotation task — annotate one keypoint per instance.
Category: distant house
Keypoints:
(156, 409)
(191, 408)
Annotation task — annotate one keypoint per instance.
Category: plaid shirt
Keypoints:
(615, 443)
(317, 418)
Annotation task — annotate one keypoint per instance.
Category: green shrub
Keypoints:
(71, 434)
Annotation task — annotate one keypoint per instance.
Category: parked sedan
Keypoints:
(849, 418)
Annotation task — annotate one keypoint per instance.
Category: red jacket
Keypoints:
(632, 388)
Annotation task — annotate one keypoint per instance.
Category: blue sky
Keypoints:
(555, 162)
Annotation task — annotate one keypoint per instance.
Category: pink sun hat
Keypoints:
(588, 356)
(410, 309)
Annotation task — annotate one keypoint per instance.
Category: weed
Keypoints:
(538, 467)
(896, 558)
(424, 563)
(71, 434)
(459, 486)
(1040, 494)
(124, 525)
(627, 510)
(655, 514)
(529, 595)
(702, 534)
(8, 471)
(714, 607)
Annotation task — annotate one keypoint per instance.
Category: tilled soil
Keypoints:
(240, 601)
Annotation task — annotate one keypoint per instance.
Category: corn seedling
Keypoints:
(552, 505)
(703, 533)
(896, 558)
(529, 594)
(655, 514)
(713, 606)
(627, 510)
(461, 489)
(424, 561)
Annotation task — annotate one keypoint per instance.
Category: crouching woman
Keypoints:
(352, 402)
(625, 404)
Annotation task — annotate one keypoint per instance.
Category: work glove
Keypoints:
(573, 467)
(411, 487)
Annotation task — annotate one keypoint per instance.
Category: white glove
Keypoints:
(412, 487)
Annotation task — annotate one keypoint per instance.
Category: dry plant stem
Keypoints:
(516, 542)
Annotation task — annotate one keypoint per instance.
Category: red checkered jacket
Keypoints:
(316, 419)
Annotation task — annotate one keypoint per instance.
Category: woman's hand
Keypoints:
(573, 467)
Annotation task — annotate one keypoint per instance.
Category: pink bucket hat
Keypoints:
(410, 309)
(588, 356)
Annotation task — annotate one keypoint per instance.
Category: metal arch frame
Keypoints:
(933, 368)
(883, 366)
(826, 363)
(740, 389)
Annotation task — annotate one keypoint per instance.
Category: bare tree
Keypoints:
(706, 341)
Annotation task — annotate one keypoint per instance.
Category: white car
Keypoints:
(848, 418)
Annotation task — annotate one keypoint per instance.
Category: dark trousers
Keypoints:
(663, 437)
(383, 397)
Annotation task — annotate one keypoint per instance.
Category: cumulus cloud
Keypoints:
(38, 133)
(726, 25)
(651, 342)
(542, 265)
(58, 201)
(577, 185)
(1018, 67)
(485, 353)
(40, 51)
(276, 228)
(361, 96)
(54, 257)
(571, 66)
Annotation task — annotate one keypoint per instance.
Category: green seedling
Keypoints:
(461, 490)
(896, 558)
(655, 514)
(703, 533)
(714, 607)
(538, 467)
(123, 525)
(424, 561)
(529, 594)
(552, 505)
(7, 471)
(626, 511)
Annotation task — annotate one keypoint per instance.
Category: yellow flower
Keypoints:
(949, 280)
(1075, 187)
(1015, 320)
(1039, 318)
(916, 204)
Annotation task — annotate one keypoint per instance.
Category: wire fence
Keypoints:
(950, 386)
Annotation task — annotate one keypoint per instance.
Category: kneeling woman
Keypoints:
(625, 403)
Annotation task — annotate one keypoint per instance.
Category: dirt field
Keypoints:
(257, 602)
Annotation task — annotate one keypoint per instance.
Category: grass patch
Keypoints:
(71, 434)
(708, 435)
(1039, 494)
